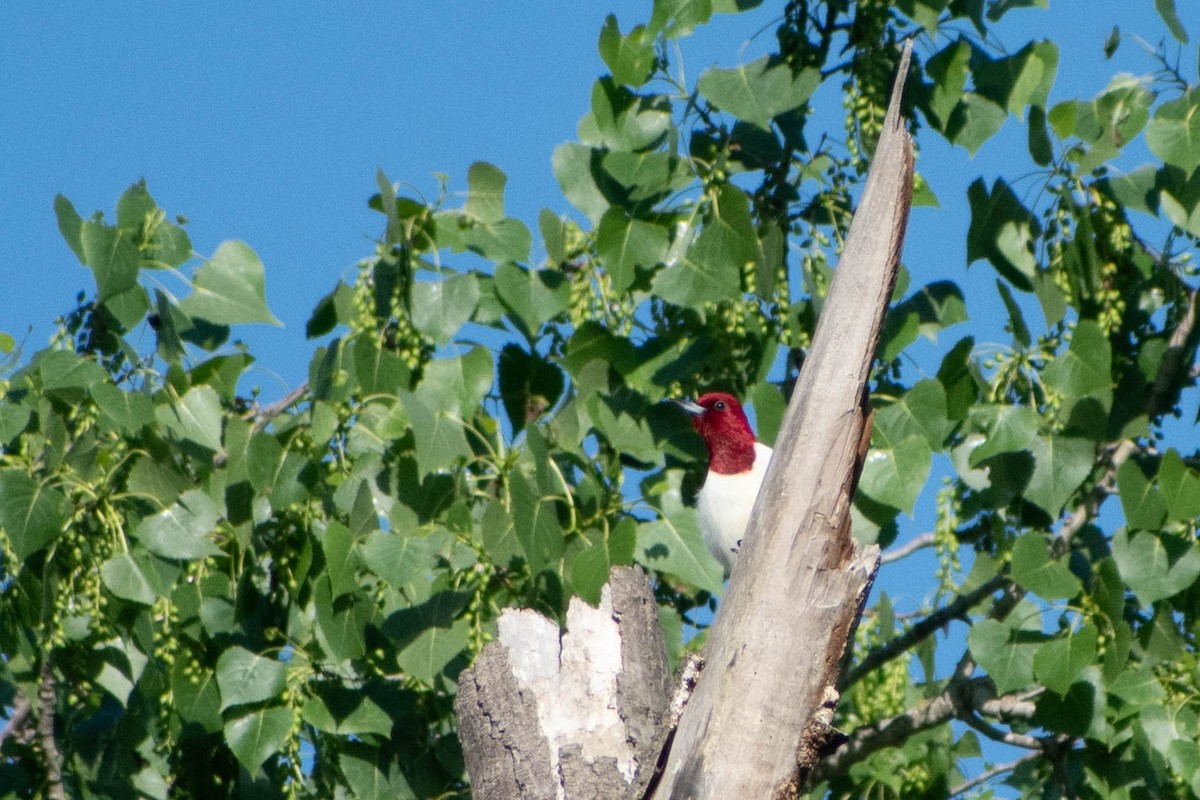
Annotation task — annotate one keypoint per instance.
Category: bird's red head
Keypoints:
(719, 419)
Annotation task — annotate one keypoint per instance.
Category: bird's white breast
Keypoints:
(725, 503)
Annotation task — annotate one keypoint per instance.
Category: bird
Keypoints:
(737, 463)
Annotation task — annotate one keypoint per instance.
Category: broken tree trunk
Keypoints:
(548, 714)
(759, 716)
(586, 714)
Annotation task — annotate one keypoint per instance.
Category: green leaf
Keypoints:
(623, 425)
(120, 665)
(13, 420)
(32, 514)
(529, 385)
(1006, 654)
(1141, 500)
(894, 473)
(377, 370)
(126, 412)
(674, 546)
(1166, 10)
(1003, 231)
(341, 625)
(485, 193)
(341, 562)
(275, 472)
(537, 525)
(573, 168)
(533, 296)
(678, 18)
(1060, 662)
(623, 120)
(372, 775)
(711, 268)
(642, 179)
(440, 308)
(759, 91)
(245, 677)
(256, 736)
(608, 548)
(230, 288)
(1137, 688)
(1079, 712)
(949, 69)
(625, 244)
(672, 543)
(1061, 464)
(1034, 570)
(63, 369)
(113, 257)
(500, 542)
(123, 577)
(921, 411)
(1040, 147)
(926, 312)
(195, 697)
(440, 434)
(1174, 135)
(630, 57)
(1179, 216)
(70, 225)
(346, 712)
(1180, 487)
(1082, 377)
(1016, 81)
(434, 650)
(974, 120)
(1016, 320)
(402, 557)
(195, 417)
(184, 530)
(1008, 428)
(1155, 565)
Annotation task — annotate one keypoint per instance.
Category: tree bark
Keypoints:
(759, 717)
(550, 714)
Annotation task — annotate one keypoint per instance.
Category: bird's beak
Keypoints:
(690, 407)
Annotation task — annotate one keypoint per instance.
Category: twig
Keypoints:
(1167, 381)
(921, 630)
(264, 417)
(963, 698)
(47, 701)
(988, 774)
(1005, 737)
(17, 720)
(924, 540)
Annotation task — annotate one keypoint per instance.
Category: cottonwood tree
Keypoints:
(204, 594)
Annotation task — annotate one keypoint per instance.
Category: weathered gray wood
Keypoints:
(545, 713)
(761, 707)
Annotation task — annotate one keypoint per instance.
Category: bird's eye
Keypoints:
(719, 405)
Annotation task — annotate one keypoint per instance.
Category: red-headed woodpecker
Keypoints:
(736, 466)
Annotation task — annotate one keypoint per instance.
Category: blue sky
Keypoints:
(266, 122)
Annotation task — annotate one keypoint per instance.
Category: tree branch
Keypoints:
(47, 701)
(17, 720)
(1174, 367)
(988, 774)
(922, 541)
(263, 417)
(963, 698)
(921, 630)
